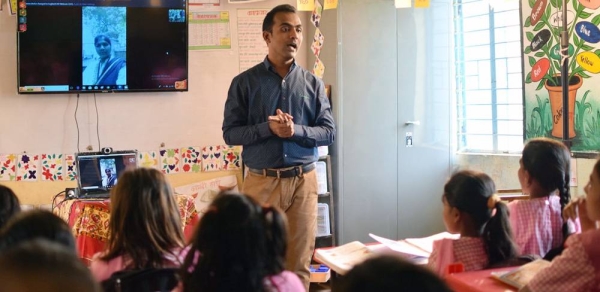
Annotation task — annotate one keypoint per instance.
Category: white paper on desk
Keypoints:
(401, 246)
(426, 243)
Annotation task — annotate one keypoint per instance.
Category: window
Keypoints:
(489, 96)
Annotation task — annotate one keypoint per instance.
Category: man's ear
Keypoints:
(267, 36)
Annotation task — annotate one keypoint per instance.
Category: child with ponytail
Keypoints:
(472, 209)
(544, 174)
(239, 245)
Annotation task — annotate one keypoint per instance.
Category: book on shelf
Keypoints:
(342, 258)
(520, 276)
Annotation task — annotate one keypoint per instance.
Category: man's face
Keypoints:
(103, 48)
(108, 172)
(285, 36)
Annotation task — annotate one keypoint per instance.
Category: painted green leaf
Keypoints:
(531, 61)
(528, 78)
(596, 20)
(531, 3)
(541, 84)
(527, 22)
(597, 52)
(540, 54)
(529, 36)
(584, 15)
(539, 25)
(587, 47)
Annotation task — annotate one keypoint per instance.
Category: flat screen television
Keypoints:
(87, 46)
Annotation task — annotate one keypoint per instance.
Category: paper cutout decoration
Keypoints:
(402, 3)
(319, 68)
(316, 14)
(331, 4)
(27, 166)
(317, 43)
(232, 157)
(421, 3)
(52, 167)
(71, 170)
(305, 5)
(148, 159)
(211, 158)
(169, 160)
(190, 159)
(8, 168)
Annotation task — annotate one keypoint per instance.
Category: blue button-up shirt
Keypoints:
(256, 94)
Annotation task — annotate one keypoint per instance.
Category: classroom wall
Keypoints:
(45, 123)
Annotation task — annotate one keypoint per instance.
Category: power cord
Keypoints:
(97, 122)
(76, 123)
(54, 200)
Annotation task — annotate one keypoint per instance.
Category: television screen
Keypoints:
(81, 46)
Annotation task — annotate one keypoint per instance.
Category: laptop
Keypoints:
(98, 172)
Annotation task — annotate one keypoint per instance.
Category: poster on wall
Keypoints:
(541, 21)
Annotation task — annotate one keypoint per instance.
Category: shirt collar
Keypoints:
(270, 67)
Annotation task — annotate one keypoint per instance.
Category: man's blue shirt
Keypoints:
(256, 94)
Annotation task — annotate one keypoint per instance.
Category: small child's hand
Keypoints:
(578, 209)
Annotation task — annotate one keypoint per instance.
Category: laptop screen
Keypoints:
(100, 172)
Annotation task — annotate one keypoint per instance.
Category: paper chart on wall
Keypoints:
(204, 192)
(209, 30)
(252, 47)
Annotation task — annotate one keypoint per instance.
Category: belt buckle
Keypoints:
(300, 171)
(278, 171)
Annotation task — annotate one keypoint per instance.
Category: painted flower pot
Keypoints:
(556, 104)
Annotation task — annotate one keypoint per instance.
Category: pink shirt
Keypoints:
(470, 251)
(537, 224)
(286, 281)
(102, 270)
(574, 270)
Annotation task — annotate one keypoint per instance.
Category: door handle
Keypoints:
(416, 123)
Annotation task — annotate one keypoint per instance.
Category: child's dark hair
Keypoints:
(43, 265)
(549, 163)
(390, 273)
(34, 224)
(145, 224)
(473, 193)
(9, 204)
(237, 244)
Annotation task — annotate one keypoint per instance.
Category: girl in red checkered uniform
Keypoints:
(472, 209)
(578, 267)
(544, 174)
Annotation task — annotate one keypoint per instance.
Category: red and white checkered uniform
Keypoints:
(470, 251)
(572, 271)
(537, 224)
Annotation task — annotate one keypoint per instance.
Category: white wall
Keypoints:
(45, 123)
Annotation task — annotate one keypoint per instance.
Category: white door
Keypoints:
(392, 76)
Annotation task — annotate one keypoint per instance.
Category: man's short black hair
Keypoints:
(268, 22)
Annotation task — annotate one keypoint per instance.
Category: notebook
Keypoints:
(98, 172)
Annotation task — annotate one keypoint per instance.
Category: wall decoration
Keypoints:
(542, 24)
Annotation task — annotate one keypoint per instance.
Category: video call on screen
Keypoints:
(55, 49)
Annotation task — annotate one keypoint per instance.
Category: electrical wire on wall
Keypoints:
(76, 123)
(97, 122)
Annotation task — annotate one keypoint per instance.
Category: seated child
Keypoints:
(537, 223)
(144, 228)
(485, 238)
(239, 245)
(578, 267)
(9, 204)
(390, 273)
(35, 224)
(43, 265)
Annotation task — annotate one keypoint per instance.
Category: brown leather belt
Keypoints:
(285, 172)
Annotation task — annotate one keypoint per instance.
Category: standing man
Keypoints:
(279, 112)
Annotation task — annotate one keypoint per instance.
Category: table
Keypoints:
(478, 281)
(89, 222)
